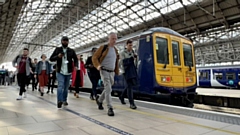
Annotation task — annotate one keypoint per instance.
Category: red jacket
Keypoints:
(82, 72)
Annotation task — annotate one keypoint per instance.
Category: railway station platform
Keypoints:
(235, 93)
(36, 115)
(227, 98)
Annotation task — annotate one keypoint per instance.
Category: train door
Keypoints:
(204, 78)
(163, 70)
(188, 68)
(177, 72)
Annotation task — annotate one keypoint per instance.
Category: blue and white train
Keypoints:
(219, 76)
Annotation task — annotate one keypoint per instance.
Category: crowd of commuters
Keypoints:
(104, 64)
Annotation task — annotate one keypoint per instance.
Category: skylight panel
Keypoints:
(164, 10)
(175, 6)
(133, 16)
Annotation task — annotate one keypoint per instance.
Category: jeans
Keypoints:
(33, 81)
(77, 81)
(22, 78)
(63, 85)
(128, 90)
(94, 80)
(51, 82)
(2, 79)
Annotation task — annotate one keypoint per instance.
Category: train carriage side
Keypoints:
(227, 77)
(219, 76)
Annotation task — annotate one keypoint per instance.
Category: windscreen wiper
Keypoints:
(190, 68)
(166, 57)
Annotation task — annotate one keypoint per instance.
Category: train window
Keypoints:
(204, 75)
(175, 51)
(187, 53)
(218, 76)
(162, 50)
(230, 76)
(238, 76)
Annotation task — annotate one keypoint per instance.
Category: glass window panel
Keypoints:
(176, 54)
(162, 51)
(187, 53)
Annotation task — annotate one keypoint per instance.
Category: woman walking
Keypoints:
(77, 76)
(43, 69)
(52, 79)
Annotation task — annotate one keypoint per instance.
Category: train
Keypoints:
(165, 66)
(223, 76)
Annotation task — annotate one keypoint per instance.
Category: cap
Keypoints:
(64, 38)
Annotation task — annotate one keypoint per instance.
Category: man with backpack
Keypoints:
(23, 63)
(105, 59)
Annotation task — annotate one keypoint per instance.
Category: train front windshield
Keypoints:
(188, 57)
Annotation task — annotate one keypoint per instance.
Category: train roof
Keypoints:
(219, 67)
(138, 34)
(163, 30)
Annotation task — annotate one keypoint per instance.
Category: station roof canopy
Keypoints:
(40, 24)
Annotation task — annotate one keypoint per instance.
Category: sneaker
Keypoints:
(65, 103)
(91, 97)
(133, 106)
(25, 94)
(59, 105)
(110, 112)
(19, 98)
(122, 100)
(100, 107)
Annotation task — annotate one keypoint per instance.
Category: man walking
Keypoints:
(105, 59)
(129, 73)
(34, 80)
(2, 76)
(64, 56)
(93, 75)
(23, 63)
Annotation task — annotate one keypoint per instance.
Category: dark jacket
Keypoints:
(38, 69)
(17, 61)
(93, 71)
(130, 69)
(71, 57)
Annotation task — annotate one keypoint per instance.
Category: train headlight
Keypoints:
(189, 79)
(165, 79)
